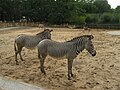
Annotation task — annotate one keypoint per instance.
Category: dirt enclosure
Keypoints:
(101, 72)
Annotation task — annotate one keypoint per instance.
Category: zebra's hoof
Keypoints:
(71, 75)
(43, 72)
(17, 64)
(22, 60)
(69, 78)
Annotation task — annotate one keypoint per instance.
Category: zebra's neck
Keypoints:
(80, 46)
(41, 37)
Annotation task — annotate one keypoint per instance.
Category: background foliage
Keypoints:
(59, 11)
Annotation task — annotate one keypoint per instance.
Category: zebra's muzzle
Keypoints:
(94, 53)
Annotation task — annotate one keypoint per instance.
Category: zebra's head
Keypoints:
(46, 34)
(89, 45)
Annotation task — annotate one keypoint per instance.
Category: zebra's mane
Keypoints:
(43, 32)
(79, 37)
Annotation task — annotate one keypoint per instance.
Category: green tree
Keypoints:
(102, 6)
(57, 11)
(117, 10)
(106, 18)
(92, 18)
(90, 8)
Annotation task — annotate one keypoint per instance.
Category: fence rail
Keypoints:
(94, 26)
(104, 26)
(15, 24)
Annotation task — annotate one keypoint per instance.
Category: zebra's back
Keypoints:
(55, 49)
(28, 41)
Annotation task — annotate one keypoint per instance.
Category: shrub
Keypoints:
(106, 18)
(78, 20)
(92, 18)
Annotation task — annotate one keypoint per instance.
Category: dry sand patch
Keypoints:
(101, 72)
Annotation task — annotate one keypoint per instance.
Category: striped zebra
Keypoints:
(29, 41)
(69, 49)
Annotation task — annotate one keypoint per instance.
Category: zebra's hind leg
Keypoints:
(20, 56)
(19, 51)
(42, 59)
(16, 53)
(42, 66)
(70, 74)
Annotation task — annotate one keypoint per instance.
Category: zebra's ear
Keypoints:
(91, 37)
(51, 30)
(46, 29)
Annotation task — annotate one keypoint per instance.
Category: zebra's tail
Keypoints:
(15, 46)
(39, 55)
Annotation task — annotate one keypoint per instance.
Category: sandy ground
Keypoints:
(101, 72)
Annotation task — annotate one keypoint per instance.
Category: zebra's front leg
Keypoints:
(70, 62)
